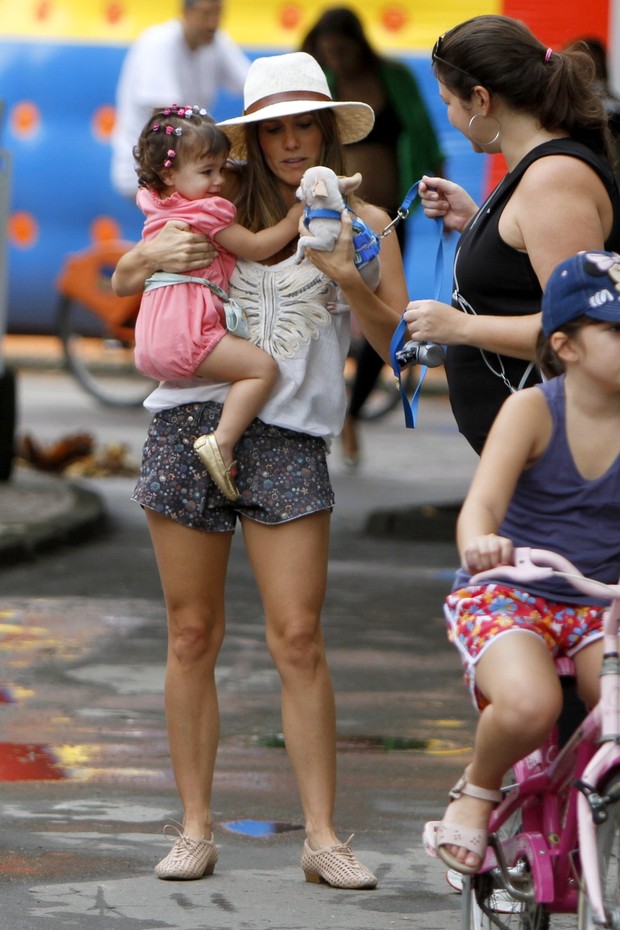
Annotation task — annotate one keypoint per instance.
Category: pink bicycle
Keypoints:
(554, 840)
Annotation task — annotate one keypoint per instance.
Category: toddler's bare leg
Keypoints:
(252, 374)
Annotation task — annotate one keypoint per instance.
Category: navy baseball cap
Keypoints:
(586, 284)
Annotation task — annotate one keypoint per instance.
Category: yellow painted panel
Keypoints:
(254, 24)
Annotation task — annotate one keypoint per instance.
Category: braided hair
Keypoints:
(172, 136)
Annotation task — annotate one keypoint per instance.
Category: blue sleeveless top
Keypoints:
(576, 517)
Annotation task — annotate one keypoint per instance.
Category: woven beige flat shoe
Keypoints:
(337, 866)
(209, 451)
(188, 859)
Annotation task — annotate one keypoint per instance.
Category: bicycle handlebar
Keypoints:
(537, 564)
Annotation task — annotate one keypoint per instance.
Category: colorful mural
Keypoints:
(59, 64)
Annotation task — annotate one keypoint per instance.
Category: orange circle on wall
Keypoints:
(104, 229)
(394, 18)
(22, 229)
(290, 16)
(25, 119)
(114, 12)
(42, 11)
(103, 122)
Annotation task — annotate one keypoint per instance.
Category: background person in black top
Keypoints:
(611, 101)
(510, 94)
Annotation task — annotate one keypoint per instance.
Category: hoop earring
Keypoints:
(489, 141)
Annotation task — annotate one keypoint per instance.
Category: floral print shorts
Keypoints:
(478, 614)
(281, 474)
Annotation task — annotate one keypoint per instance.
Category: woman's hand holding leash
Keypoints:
(433, 321)
(442, 198)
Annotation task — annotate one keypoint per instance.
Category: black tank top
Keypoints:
(492, 278)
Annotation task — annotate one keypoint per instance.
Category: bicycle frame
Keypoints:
(547, 799)
(557, 793)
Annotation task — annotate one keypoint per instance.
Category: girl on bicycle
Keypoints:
(186, 325)
(549, 478)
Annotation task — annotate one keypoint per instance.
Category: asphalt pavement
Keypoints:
(86, 780)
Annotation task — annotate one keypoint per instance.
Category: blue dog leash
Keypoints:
(366, 244)
(399, 339)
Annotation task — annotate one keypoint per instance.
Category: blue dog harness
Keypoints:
(366, 242)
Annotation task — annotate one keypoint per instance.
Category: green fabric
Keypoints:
(418, 151)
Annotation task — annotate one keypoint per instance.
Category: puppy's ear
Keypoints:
(347, 185)
(319, 188)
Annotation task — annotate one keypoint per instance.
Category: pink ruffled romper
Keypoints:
(178, 325)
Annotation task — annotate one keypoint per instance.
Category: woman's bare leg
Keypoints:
(517, 675)
(290, 567)
(192, 567)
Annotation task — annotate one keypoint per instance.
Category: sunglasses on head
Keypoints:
(435, 56)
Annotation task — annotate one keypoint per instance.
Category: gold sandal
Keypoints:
(209, 451)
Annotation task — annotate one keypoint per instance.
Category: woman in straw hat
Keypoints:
(300, 315)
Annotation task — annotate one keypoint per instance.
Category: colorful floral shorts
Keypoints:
(479, 614)
(281, 474)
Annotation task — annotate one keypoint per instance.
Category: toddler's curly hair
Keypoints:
(173, 136)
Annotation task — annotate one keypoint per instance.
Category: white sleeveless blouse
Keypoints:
(294, 315)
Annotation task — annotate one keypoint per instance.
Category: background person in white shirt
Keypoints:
(183, 60)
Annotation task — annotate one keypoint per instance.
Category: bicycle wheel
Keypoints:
(608, 849)
(385, 395)
(101, 363)
(492, 906)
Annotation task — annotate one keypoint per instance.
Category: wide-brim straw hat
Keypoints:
(285, 85)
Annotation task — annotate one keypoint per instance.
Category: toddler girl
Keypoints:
(186, 324)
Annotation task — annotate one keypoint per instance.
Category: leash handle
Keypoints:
(410, 407)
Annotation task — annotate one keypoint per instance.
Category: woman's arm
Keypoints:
(175, 249)
(520, 433)
(559, 208)
(432, 321)
(548, 223)
(378, 313)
